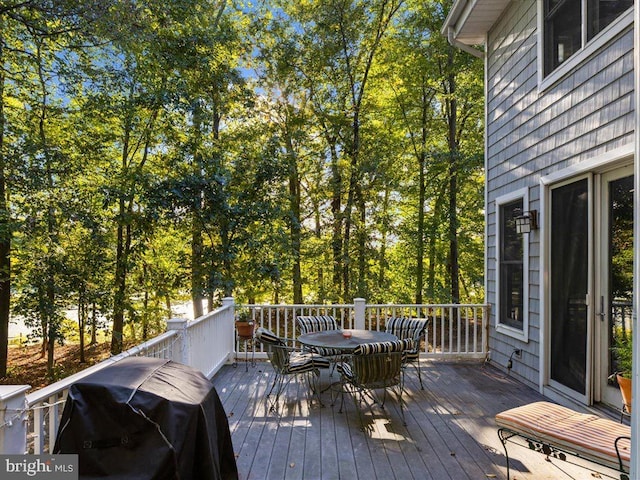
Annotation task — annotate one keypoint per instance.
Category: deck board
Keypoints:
(450, 432)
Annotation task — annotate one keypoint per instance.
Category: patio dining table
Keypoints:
(344, 340)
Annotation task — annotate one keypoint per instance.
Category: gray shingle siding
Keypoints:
(533, 132)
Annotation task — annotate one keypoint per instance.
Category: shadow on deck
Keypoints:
(450, 431)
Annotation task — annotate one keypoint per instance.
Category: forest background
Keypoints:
(153, 152)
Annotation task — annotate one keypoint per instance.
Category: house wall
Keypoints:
(533, 132)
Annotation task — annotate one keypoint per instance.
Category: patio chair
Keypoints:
(288, 362)
(319, 323)
(414, 328)
(316, 323)
(374, 366)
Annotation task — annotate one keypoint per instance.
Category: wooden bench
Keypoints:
(560, 432)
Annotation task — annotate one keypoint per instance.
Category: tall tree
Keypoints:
(360, 32)
(5, 217)
(43, 33)
(439, 95)
(413, 95)
(342, 38)
(19, 21)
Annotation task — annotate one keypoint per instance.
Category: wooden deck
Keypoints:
(450, 431)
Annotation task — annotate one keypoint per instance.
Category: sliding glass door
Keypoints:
(590, 282)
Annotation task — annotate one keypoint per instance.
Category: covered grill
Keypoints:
(148, 419)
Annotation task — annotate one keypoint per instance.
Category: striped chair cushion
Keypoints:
(384, 347)
(316, 323)
(325, 351)
(376, 367)
(410, 355)
(305, 361)
(287, 360)
(267, 337)
(587, 435)
(344, 369)
(403, 327)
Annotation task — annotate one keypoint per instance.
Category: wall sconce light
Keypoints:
(525, 221)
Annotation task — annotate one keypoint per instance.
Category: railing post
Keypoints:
(230, 302)
(13, 429)
(359, 313)
(486, 325)
(180, 352)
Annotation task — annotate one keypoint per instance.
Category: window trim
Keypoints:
(589, 48)
(522, 335)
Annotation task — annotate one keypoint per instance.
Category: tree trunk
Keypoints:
(94, 324)
(5, 235)
(50, 351)
(145, 307)
(44, 326)
(197, 274)
(362, 244)
(120, 278)
(336, 213)
(422, 157)
(227, 263)
(453, 231)
(352, 197)
(322, 293)
(52, 323)
(120, 284)
(433, 227)
(382, 257)
(82, 320)
(52, 227)
(346, 254)
(420, 232)
(426, 99)
(453, 183)
(294, 221)
(431, 272)
(210, 302)
(123, 249)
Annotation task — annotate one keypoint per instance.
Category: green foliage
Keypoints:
(151, 157)
(623, 352)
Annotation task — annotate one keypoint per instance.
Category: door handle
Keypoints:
(602, 314)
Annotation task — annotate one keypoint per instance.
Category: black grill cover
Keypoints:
(146, 418)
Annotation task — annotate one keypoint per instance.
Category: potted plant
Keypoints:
(623, 350)
(244, 324)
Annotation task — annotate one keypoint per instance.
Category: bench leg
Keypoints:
(623, 475)
(504, 435)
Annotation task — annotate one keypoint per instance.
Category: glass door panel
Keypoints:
(616, 285)
(569, 285)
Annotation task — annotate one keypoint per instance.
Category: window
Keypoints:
(570, 24)
(512, 267)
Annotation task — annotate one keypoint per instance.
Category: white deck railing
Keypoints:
(29, 422)
(455, 331)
